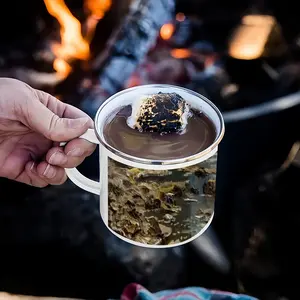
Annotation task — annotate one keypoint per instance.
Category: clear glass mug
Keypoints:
(153, 203)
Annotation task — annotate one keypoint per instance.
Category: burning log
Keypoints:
(127, 47)
(132, 41)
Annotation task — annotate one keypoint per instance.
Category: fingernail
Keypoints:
(32, 166)
(77, 152)
(49, 172)
(77, 123)
(57, 158)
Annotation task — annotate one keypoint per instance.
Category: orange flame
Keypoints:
(62, 67)
(73, 44)
(96, 10)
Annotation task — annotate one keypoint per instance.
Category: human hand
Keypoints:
(32, 123)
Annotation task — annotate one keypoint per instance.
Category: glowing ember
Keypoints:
(251, 37)
(180, 17)
(167, 31)
(180, 53)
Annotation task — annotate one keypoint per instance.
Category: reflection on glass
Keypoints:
(161, 207)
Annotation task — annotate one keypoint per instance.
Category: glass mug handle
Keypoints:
(76, 177)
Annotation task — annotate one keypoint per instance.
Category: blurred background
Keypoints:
(245, 57)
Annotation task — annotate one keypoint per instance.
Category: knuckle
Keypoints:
(53, 133)
(40, 184)
(60, 179)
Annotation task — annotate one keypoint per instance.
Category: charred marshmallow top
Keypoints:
(163, 113)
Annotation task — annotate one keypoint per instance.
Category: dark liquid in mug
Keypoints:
(200, 133)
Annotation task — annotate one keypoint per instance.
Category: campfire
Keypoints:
(153, 42)
(69, 42)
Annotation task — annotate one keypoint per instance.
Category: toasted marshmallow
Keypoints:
(163, 113)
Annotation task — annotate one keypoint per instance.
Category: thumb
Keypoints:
(55, 128)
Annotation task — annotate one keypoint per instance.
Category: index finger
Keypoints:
(60, 108)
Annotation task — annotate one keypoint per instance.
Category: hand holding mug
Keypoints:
(146, 201)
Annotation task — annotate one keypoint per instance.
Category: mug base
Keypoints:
(162, 246)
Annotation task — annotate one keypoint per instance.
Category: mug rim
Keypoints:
(147, 161)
